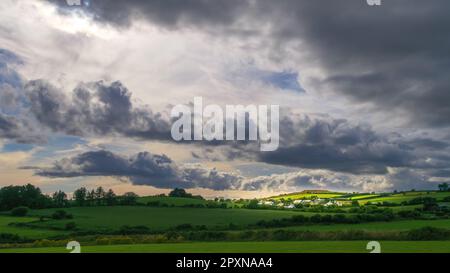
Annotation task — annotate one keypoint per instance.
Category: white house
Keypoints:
(291, 206)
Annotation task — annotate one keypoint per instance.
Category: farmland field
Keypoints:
(98, 218)
(296, 196)
(255, 247)
(5, 227)
(400, 197)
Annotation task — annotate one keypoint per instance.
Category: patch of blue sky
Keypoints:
(59, 143)
(283, 80)
(7, 56)
(16, 147)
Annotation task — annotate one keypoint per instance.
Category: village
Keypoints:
(299, 203)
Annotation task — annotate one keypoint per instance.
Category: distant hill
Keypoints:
(308, 194)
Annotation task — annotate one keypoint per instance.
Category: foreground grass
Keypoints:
(255, 247)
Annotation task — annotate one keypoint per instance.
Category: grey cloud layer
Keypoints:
(161, 172)
(94, 109)
(393, 56)
(142, 169)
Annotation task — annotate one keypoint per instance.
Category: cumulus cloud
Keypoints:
(322, 142)
(95, 109)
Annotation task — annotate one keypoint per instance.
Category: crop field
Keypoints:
(255, 247)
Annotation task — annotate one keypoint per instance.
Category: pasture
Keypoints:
(159, 219)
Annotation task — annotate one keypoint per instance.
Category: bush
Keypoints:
(19, 211)
(71, 226)
(102, 241)
(6, 238)
(125, 230)
(61, 214)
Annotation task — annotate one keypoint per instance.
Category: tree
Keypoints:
(80, 196)
(179, 193)
(129, 199)
(27, 196)
(60, 199)
(90, 197)
(443, 187)
(253, 204)
(110, 198)
(99, 195)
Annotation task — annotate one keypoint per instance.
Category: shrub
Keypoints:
(71, 226)
(125, 230)
(121, 240)
(103, 241)
(6, 238)
(61, 214)
(19, 211)
(184, 227)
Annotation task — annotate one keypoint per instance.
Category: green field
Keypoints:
(407, 196)
(255, 247)
(5, 227)
(295, 196)
(107, 218)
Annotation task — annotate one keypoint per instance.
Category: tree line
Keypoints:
(32, 197)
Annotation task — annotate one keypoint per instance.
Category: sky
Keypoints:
(86, 94)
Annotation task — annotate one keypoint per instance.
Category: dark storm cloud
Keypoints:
(325, 143)
(141, 169)
(167, 13)
(321, 142)
(393, 56)
(95, 109)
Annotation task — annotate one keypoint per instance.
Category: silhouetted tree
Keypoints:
(110, 198)
(129, 199)
(60, 199)
(443, 187)
(80, 196)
